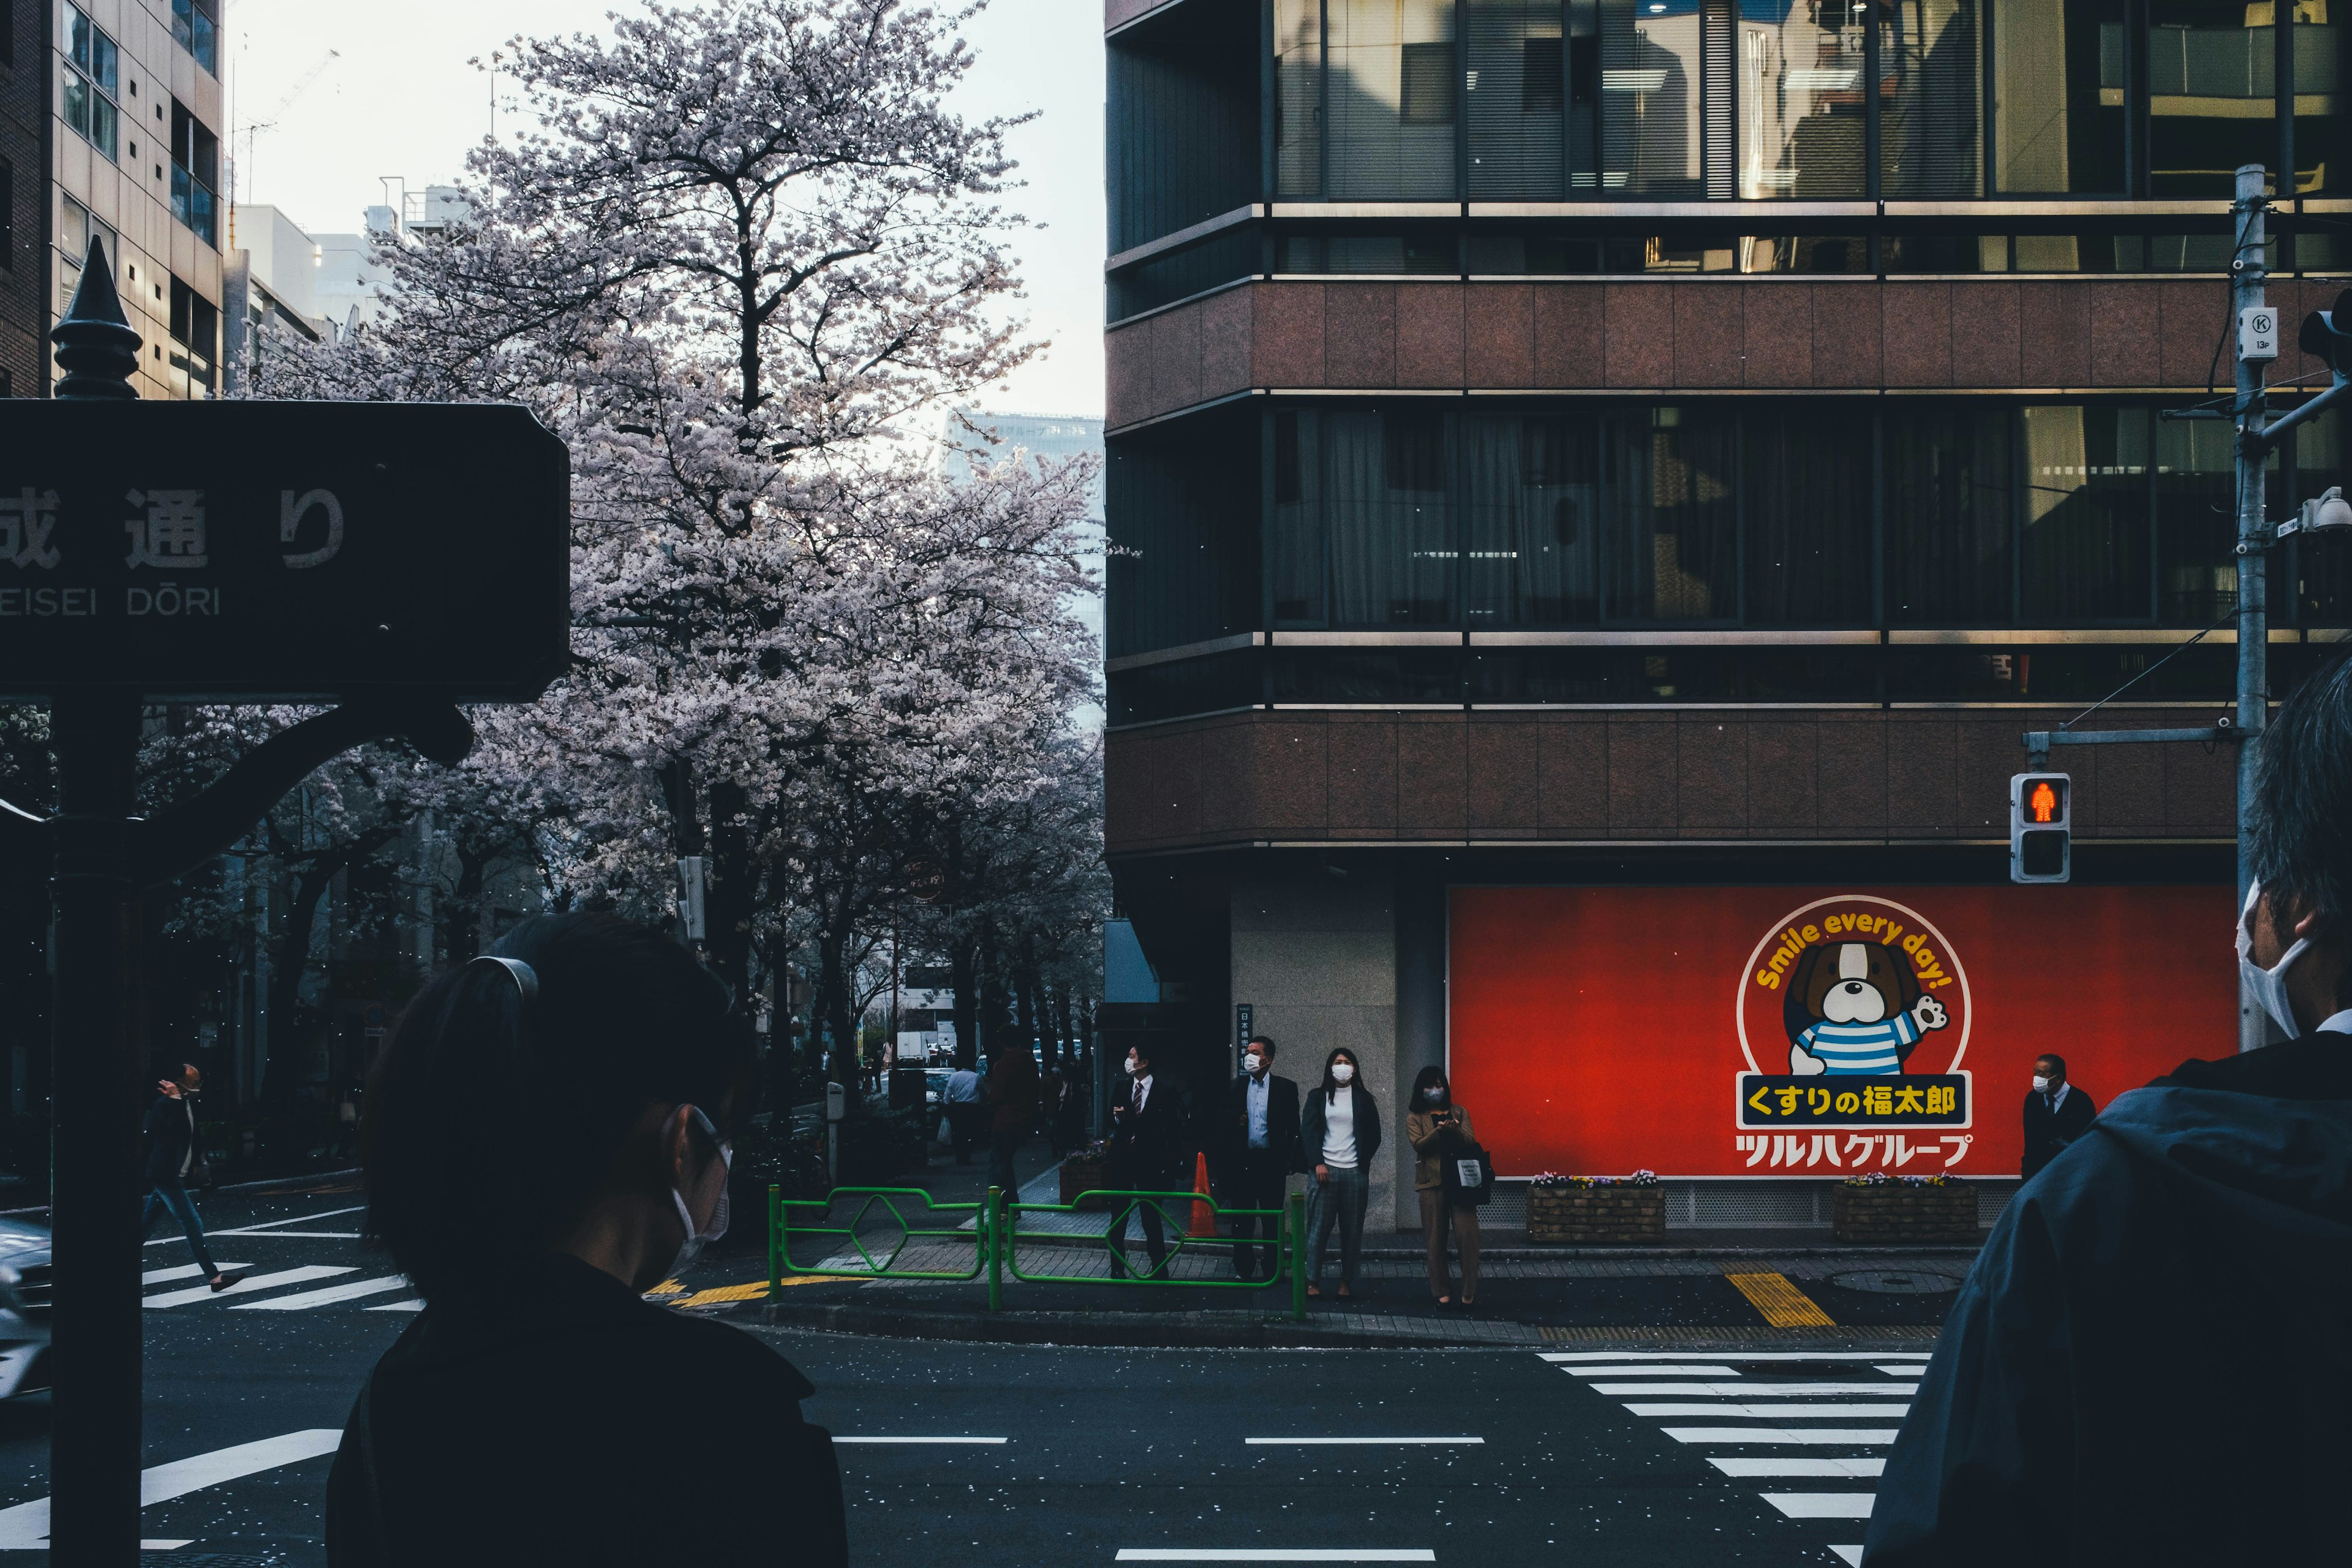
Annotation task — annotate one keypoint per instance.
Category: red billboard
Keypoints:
(1816, 1032)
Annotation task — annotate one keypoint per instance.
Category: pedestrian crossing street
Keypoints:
(272, 1289)
(1748, 1411)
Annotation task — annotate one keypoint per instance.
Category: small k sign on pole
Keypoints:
(394, 560)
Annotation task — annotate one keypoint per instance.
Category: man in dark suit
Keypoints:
(1256, 1145)
(1148, 1154)
(2056, 1113)
(173, 1155)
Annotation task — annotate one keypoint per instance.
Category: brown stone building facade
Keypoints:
(1557, 444)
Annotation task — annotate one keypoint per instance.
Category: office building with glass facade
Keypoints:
(1590, 448)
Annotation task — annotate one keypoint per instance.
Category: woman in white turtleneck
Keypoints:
(1340, 1127)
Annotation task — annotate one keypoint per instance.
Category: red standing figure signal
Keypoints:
(2043, 802)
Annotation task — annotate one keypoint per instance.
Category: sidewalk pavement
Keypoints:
(1723, 1287)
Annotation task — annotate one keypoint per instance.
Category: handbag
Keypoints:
(1469, 1172)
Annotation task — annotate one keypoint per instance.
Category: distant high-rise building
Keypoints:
(1051, 435)
(111, 121)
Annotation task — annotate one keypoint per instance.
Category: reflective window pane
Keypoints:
(1391, 99)
(1950, 497)
(1800, 98)
(1808, 507)
(2057, 96)
(1297, 96)
(2320, 125)
(2086, 514)
(1532, 521)
(1297, 558)
(1930, 83)
(1516, 93)
(1650, 121)
(1667, 506)
(2212, 101)
(2195, 524)
(1386, 484)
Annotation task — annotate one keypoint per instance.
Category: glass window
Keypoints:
(1299, 97)
(1930, 83)
(1950, 498)
(2196, 520)
(1944, 252)
(1808, 514)
(1386, 484)
(1532, 518)
(1805, 253)
(89, 47)
(193, 25)
(1391, 99)
(1666, 498)
(1518, 98)
(2212, 102)
(2058, 96)
(1297, 554)
(1800, 98)
(2320, 123)
(85, 96)
(2086, 500)
(1651, 124)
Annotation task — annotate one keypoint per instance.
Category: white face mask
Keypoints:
(2041, 1084)
(1342, 1071)
(1254, 1063)
(1130, 1067)
(696, 1240)
(2267, 986)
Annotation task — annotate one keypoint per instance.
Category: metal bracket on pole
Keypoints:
(2039, 742)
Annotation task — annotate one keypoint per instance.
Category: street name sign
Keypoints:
(249, 551)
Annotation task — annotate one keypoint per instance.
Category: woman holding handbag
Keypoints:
(1439, 1131)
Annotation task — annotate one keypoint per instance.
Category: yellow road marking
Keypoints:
(1783, 1305)
(751, 1293)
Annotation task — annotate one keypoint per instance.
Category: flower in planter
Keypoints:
(1552, 1179)
(1880, 1178)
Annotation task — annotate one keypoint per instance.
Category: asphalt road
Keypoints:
(1106, 1455)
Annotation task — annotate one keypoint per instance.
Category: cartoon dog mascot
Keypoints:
(1855, 1007)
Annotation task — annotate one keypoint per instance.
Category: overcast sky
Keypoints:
(400, 99)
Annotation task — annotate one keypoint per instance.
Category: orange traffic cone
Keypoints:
(1204, 1215)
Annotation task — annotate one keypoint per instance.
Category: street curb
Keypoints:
(1544, 1253)
(1201, 1331)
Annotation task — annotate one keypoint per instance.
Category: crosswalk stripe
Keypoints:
(1276, 1554)
(988, 1442)
(302, 1301)
(1352, 1442)
(1781, 1303)
(1851, 1553)
(25, 1527)
(399, 1307)
(1772, 1412)
(1839, 1436)
(186, 1271)
(1741, 1356)
(1792, 1466)
(1649, 1372)
(246, 1288)
(1822, 1505)
(1756, 1390)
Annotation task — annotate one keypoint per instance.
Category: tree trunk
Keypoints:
(833, 1000)
(963, 975)
(1024, 1008)
(730, 896)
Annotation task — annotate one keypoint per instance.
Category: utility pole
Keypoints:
(2246, 280)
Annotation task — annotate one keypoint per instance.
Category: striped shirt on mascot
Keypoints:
(1855, 1007)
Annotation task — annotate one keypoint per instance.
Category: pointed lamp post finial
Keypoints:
(96, 347)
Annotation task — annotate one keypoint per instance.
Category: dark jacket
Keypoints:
(1011, 1090)
(1368, 1125)
(171, 1133)
(2047, 1134)
(1230, 1135)
(1150, 1150)
(568, 1420)
(2151, 1361)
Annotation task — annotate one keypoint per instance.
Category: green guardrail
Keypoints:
(996, 1235)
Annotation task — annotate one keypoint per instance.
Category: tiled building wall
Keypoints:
(22, 294)
(1767, 334)
(1906, 775)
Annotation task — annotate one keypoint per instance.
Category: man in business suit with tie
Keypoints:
(1148, 1154)
(1257, 1148)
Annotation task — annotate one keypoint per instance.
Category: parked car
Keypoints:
(23, 1308)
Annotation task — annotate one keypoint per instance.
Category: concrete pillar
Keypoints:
(1313, 954)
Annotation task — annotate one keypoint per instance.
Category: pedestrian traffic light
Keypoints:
(2040, 828)
(2326, 337)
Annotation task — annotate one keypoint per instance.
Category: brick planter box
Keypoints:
(1588, 1215)
(1084, 1176)
(1903, 1214)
